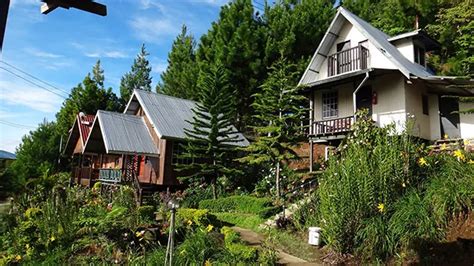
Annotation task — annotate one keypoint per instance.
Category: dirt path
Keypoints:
(255, 239)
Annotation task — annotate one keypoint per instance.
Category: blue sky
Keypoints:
(61, 48)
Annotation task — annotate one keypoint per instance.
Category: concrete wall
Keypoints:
(390, 107)
(467, 121)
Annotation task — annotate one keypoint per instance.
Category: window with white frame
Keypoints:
(330, 108)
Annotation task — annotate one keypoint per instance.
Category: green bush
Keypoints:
(244, 220)
(199, 217)
(242, 204)
(146, 214)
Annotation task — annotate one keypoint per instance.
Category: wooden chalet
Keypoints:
(139, 146)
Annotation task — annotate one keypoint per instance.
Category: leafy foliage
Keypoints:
(88, 97)
(241, 204)
(138, 78)
(210, 142)
(181, 75)
(279, 109)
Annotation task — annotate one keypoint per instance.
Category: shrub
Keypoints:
(244, 220)
(146, 214)
(199, 217)
(243, 204)
(197, 248)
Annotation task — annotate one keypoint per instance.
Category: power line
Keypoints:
(16, 125)
(31, 82)
(38, 79)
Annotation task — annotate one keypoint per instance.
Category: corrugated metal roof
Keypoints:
(374, 35)
(85, 125)
(124, 134)
(169, 115)
(7, 155)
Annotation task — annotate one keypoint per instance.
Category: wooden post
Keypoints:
(310, 156)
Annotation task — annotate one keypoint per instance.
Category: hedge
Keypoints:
(241, 204)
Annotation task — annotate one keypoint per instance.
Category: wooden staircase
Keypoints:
(446, 145)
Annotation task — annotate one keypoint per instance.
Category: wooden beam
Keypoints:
(85, 5)
(4, 5)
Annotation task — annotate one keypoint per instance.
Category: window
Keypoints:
(178, 152)
(424, 103)
(419, 55)
(330, 104)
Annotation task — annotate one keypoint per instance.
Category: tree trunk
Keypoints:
(278, 180)
(213, 186)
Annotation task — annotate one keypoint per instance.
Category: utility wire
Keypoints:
(31, 82)
(36, 78)
(16, 125)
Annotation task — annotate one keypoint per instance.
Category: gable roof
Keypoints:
(80, 130)
(5, 155)
(168, 114)
(378, 38)
(122, 134)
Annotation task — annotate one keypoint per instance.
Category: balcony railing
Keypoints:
(333, 126)
(348, 60)
(110, 175)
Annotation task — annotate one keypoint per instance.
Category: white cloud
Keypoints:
(18, 93)
(108, 54)
(155, 30)
(43, 54)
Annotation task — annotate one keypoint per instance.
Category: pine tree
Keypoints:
(237, 41)
(294, 30)
(88, 96)
(138, 78)
(180, 77)
(209, 142)
(279, 109)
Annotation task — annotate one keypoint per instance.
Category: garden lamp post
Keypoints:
(172, 205)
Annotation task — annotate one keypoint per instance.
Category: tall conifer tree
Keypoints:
(279, 109)
(237, 41)
(209, 143)
(180, 77)
(139, 76)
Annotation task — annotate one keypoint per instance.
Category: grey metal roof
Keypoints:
(124, 134)
(169, 115)
(378, 38)
(7, 155)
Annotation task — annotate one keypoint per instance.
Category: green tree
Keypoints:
(180, 77)
(279, 109)
(138, 78)
(236, 40)
(37, 154)
(88, 97)
(453, 28)
(210, 141)
(294, 30)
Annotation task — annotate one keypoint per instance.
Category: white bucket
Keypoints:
(314, 235)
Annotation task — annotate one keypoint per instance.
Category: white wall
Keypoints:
(349, 33)
(405, 46)
(390, 107)
(414, 107)
(435, 125)
(467, 121)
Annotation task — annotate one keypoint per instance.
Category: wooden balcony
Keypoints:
(348, 60)
(337, 126)
(110, 175)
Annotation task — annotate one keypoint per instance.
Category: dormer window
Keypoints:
(419, 55)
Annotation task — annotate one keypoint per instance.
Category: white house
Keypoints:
(358, 66)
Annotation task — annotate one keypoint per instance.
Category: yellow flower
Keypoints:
(52, 238)
(190, 222)
(381, 207)
(459, 154)
(470, 161)
(466, 142)
(207, 263)
(422, 161)
(446, 136)
(443, 146)
(210, 227)
(18, 258)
